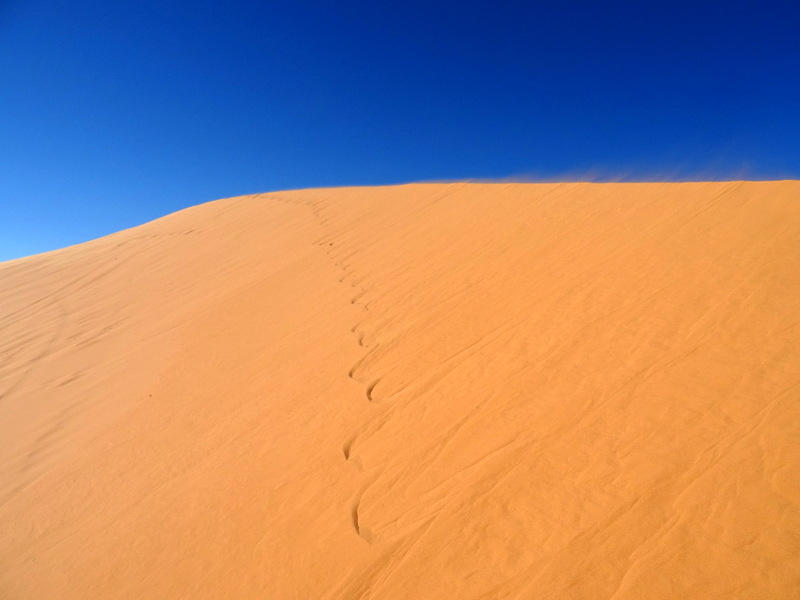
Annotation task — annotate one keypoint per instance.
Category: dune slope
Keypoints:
(469, 391)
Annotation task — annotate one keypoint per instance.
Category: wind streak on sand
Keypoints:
(423, 391)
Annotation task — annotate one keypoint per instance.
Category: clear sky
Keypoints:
(113, 113)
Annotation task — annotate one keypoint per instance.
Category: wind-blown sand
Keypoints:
(575, 391)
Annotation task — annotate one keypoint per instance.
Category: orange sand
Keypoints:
(533, 391)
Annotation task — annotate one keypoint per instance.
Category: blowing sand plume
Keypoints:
(472, 391)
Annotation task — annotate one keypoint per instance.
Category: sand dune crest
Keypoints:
(423, 391)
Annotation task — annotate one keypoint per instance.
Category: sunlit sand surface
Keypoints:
(469, 391)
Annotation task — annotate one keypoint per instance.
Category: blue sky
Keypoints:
(115, 113)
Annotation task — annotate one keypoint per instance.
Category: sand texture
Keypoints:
(432, 391)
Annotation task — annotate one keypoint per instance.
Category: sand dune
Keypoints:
(477, 391)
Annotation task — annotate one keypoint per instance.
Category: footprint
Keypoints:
(370, 389)
(362, 531)
(346, 448)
